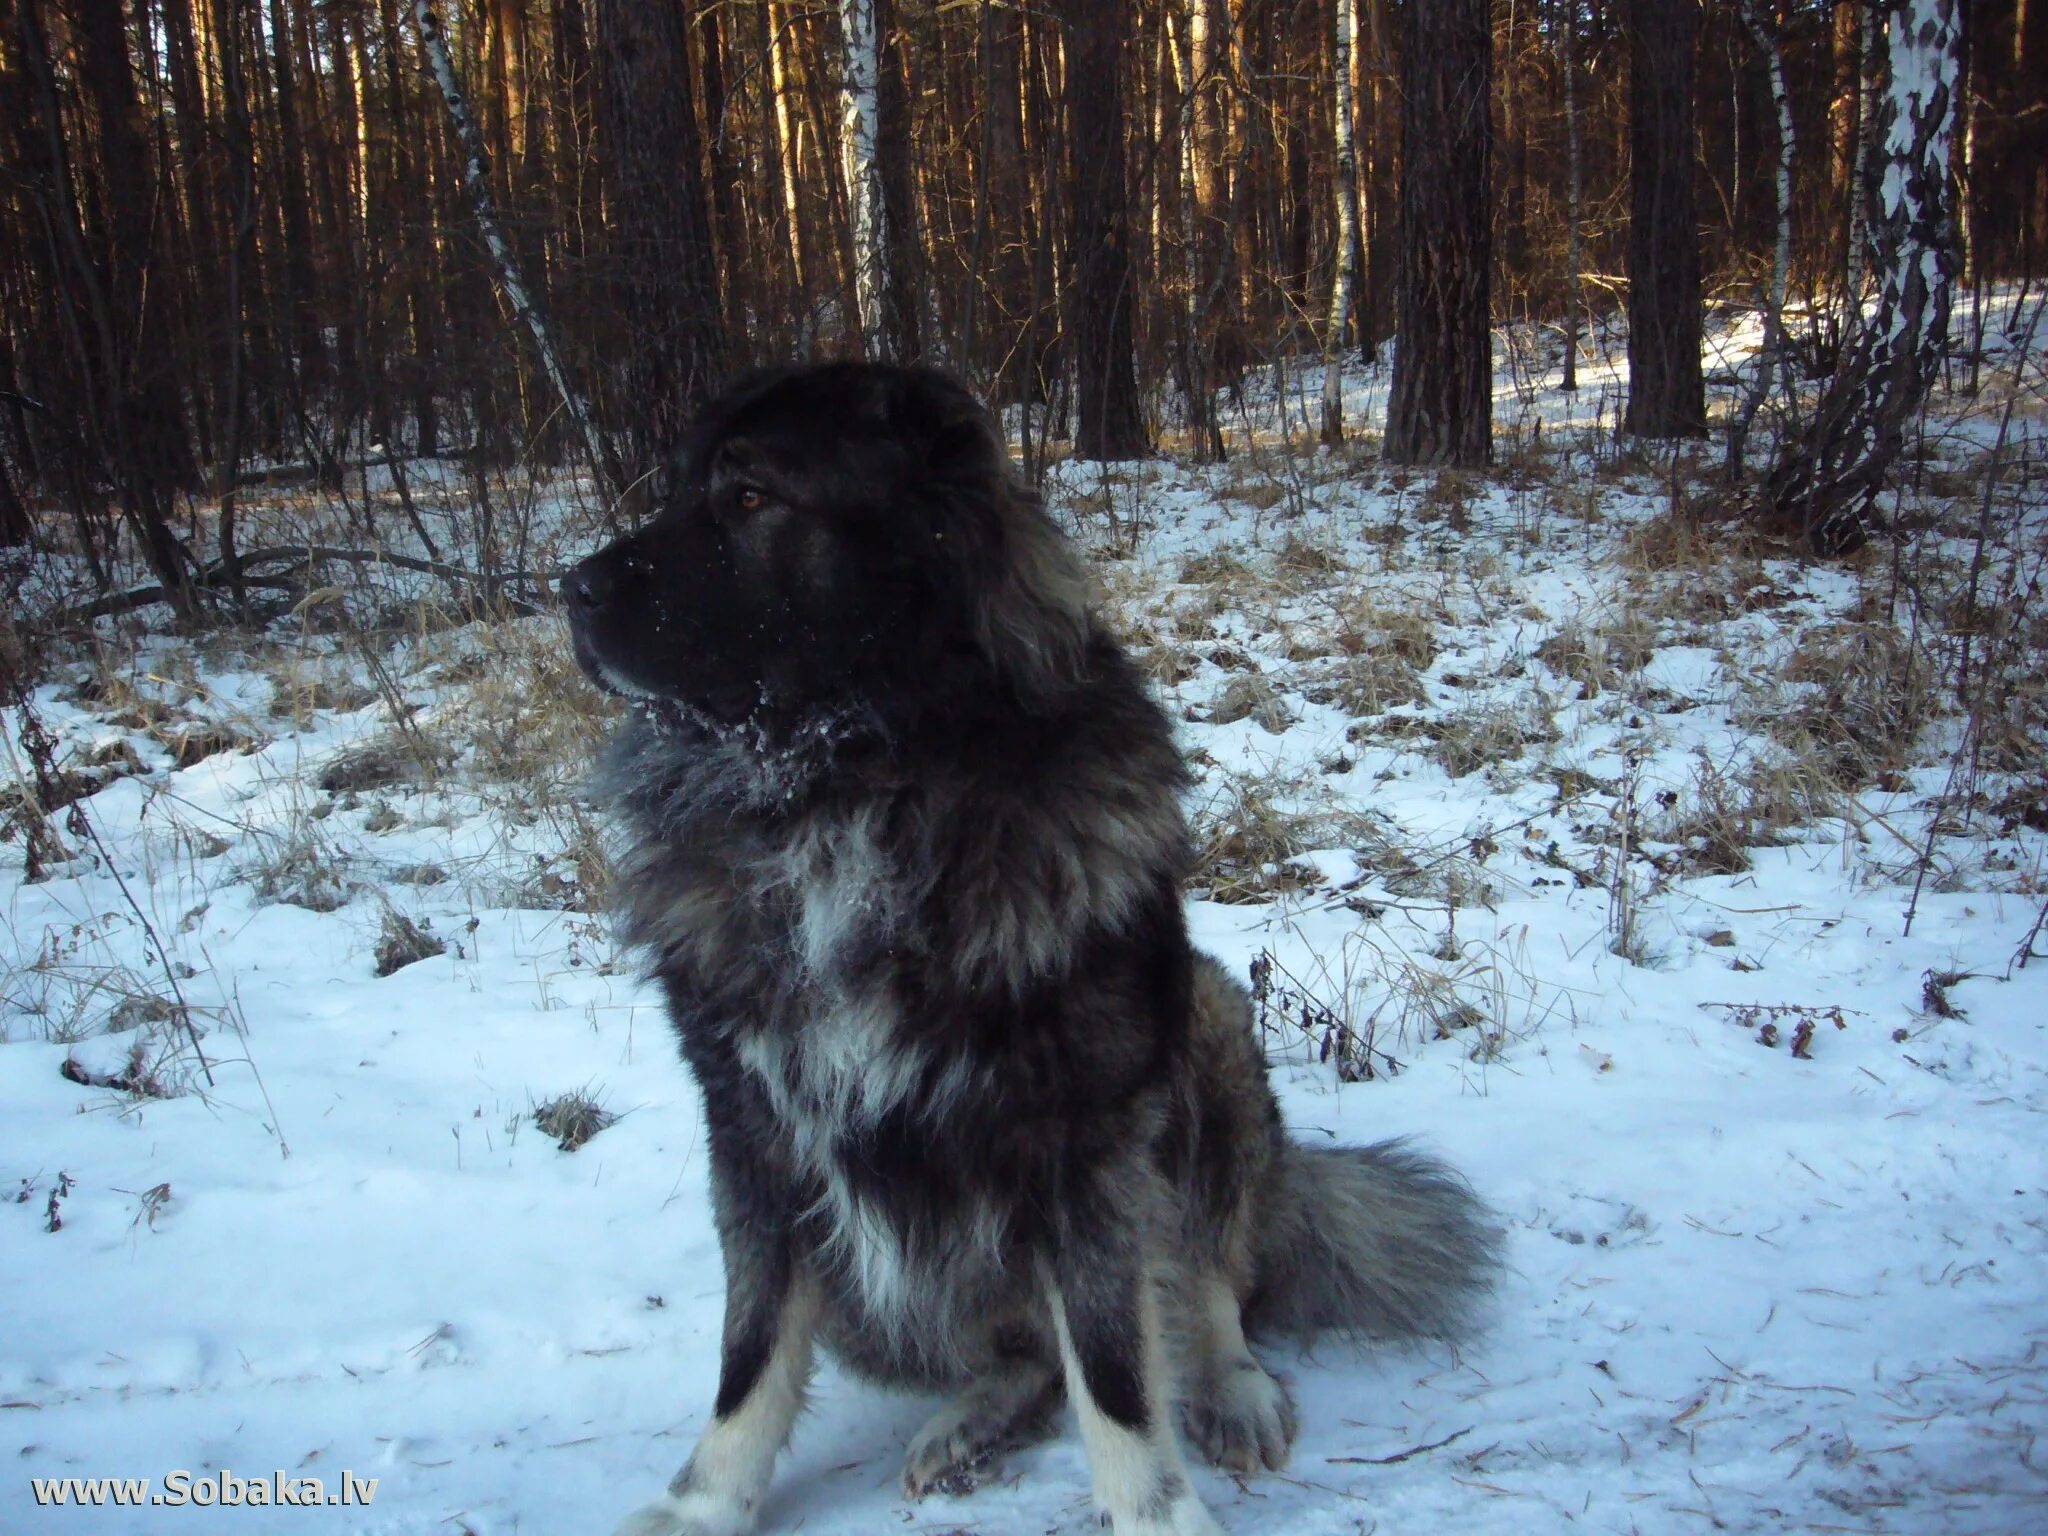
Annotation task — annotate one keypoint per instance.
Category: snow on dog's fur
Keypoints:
(902, 843)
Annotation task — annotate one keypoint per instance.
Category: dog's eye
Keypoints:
(750, 498)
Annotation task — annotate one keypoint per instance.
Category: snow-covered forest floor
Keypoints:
(1676, 890)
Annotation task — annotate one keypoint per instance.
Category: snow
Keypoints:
(1749, 1289)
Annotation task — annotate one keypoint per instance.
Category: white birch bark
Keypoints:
(1347, 217)
(1574, 196)
(860, 115)
(475, 164)
(1827, 484)
(1859, 175)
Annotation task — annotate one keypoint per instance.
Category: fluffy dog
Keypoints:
(903, 847)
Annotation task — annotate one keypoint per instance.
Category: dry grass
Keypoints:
(402, 942)
(1370, 683)
(1251, 696)
(1601, 657)
(572, 1118)
(1252, 830)
(1865, 692)
(1491, 735)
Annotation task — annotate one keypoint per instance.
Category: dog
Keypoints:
(901, 840)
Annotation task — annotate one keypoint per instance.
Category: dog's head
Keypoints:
(832, 538)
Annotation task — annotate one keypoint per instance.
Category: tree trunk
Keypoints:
(1666, 395)
(661, 263)
(1108, 423)
(523, 303)
(1440, 407)
(1856, 251)
(1764, 32)
(902, 293)
(1575, 160)
(1347, 229)
(1825, 484)
(860, 127)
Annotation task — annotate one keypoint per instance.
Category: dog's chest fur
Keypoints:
(836, 1060)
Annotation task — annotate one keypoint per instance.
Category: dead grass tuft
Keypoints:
(403, 942)
(1490, 735)
(572, 1118)
(1252, 696)
(1866, 692)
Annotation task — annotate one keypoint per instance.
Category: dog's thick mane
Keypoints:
(739, 811)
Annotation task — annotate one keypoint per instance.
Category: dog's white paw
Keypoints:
(686, 1515)
(1184, 1515)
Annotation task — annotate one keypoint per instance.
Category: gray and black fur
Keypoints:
(902, 842)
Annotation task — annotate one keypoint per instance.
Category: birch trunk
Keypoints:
(860, 118)
(1347, 224)
(1574, 305)
(1825, 485)
(476, 180)
(1857, 247)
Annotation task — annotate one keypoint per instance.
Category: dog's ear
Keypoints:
(942, 424)
(1025, 588)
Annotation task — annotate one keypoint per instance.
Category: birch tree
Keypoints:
(476, 180)
(1575, 160)
(1856, 247)
(1347, 229)
(1825, 482)
(861, 121)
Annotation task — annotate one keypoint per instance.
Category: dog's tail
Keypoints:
(1379, 1241)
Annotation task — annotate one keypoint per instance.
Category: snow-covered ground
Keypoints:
(1520, 803)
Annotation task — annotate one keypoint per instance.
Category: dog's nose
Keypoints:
(587, 588)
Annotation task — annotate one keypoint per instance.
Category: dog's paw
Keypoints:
(962, 1446)
(958, 1450)
(952, 1462)
(1184, 1515)
(1245, 1420)
(685, 1515)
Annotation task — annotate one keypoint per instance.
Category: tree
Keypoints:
(1347, 229)
(1666, 394)
(1107, 421)
(1440, 406)
(860, 129)
(1764, 33)
(524, 302)
(1825, 483)
(661, 262)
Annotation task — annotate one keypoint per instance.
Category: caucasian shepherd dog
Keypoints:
(904, 849)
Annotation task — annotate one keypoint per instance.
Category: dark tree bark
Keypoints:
(301, 302)
(901, 317)
(662, 263)
(1108, 423)
(726, 156)
(142, 430)
(1666, 395)
(1825, 483)
(1440, 406)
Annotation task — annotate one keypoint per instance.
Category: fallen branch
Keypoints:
(311, 554)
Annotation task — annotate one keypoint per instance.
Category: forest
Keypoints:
(273, 232)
